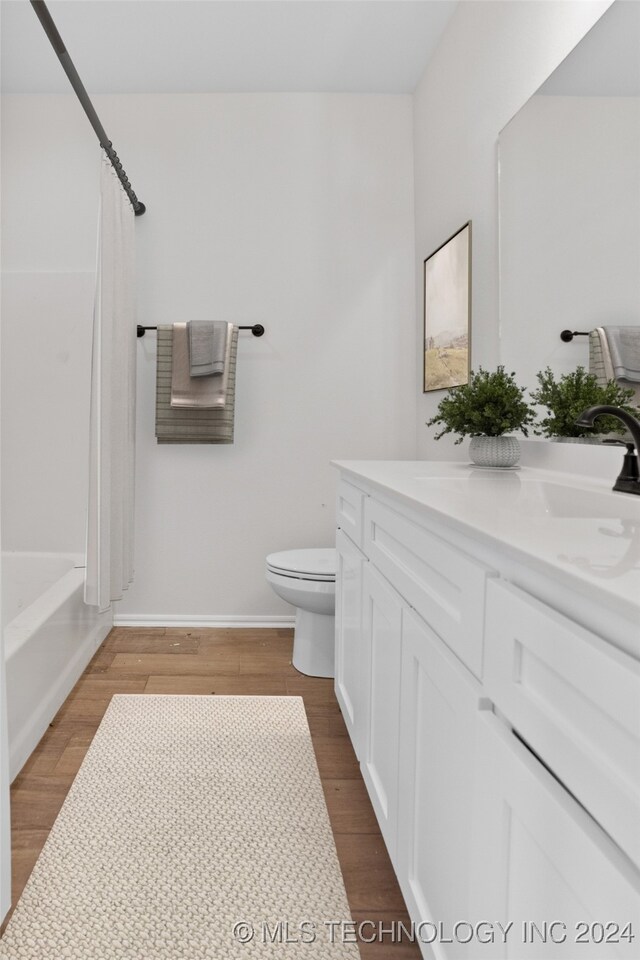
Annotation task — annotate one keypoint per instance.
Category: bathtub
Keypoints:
(49, 637)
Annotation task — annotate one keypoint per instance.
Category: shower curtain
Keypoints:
(113, 384)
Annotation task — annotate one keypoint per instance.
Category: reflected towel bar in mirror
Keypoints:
(568, 335)
(256, 329)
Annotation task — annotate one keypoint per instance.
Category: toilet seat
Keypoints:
(319, 564)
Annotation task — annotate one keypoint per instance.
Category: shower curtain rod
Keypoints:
(56, 42)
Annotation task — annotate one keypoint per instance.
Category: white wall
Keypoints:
(492, 58)
(5, 807)
(569, 214)
(5, 812)
(46, 346)
(50, 195)
(295, 211)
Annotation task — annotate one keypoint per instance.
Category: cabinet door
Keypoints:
(438, 717)
(349, 639)
(382, 621)
(541, 859)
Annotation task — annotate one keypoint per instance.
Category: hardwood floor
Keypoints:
(258, 662)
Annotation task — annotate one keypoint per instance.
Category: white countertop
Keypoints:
(575, 529)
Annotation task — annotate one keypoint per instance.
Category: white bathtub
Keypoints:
(49, 637)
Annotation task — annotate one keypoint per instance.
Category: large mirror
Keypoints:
(569, 194)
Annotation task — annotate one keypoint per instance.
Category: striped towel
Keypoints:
(602, 367)
(600, 364)
(624, 348)
(191, 424)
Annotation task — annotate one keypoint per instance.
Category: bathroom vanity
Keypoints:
(488, 670)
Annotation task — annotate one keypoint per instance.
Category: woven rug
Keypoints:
(196, 829)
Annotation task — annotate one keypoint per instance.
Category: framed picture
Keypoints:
(447, 313)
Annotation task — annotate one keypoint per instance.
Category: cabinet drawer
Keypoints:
(444, 585)
(574, 699)
(349, 511)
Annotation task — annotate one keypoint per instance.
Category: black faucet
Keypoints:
(629, 478)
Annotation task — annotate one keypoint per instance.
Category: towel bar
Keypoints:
(257, 329)
(567, 335)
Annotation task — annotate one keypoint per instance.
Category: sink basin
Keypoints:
(559, 500)
(533, 497)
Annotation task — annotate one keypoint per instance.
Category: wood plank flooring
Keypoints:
(257, 662)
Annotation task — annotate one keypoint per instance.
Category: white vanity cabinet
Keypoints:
(409, 703)
(498, 736)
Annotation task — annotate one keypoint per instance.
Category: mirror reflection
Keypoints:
(569, 194)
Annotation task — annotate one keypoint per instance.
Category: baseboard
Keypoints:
(221, 622)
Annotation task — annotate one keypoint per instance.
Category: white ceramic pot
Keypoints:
(494, 451)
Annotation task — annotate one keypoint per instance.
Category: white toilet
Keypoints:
(307, 579)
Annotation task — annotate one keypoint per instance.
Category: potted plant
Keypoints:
(487, 408)
(567, 396)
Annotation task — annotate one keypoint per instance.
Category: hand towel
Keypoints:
(192, 424)
(207, 347)
(624, 347)
(188, 391)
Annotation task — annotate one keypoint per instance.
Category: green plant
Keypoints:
(489, 405)
(566, 397)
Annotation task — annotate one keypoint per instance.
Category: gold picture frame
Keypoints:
(447, 313)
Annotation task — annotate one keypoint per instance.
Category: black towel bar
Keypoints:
(568, 335)
(257, 329)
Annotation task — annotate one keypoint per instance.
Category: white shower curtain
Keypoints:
(113, 389)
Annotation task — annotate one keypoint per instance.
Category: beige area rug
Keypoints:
(194, 824)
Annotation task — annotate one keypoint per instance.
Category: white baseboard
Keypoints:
(151, 620)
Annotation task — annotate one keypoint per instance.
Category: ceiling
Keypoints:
(198, 46)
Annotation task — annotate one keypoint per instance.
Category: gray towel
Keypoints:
(207, 347)
(624, 348)
(191, 424)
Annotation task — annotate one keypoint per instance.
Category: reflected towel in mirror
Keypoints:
(624, 349)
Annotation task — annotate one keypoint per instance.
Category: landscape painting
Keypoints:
(447, 308)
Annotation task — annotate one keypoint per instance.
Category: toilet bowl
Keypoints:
(307, 580)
